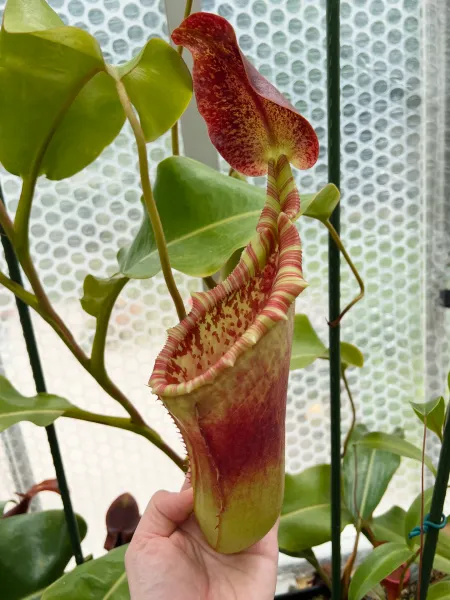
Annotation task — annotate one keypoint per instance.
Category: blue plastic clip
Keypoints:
(427, 525)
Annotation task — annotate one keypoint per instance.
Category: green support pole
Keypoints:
(334, 281)
(436, 510)
(38, 376)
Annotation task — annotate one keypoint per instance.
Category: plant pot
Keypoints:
(392, 583)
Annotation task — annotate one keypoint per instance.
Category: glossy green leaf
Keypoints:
(377, 566)
(390, 526)
(366, 481)
(320, 206)
(306, 513)
(34, 551)
(396, 445)
(91, 123)
(100, 579)
(99, 295)
(412, 519)
(206, 217)
(435, 413)
(306, 344)
(41, 409)
(439, 591)
(57, 109)
(159, 85)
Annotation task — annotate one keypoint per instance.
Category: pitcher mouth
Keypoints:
(231, 318)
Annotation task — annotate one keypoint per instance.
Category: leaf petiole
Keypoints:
(174, 131)
(149, 200)
(337, 240)
(128, 425)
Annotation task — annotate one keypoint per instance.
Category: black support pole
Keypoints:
(333, 85)
(38, 375)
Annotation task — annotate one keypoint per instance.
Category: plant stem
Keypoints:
(210, 282)
(347, 572)
(18, 291)
(312, 559)
(175, 140)
(22, 219)
(174, 132)
(38, 376)
(42, 305)
(352, 405)
(149, 199)
(422, 504)
(369, 534)
(111, 388)
(350, 562)
(128, 425)
(101, 329)
(6, 225)
(337, 240)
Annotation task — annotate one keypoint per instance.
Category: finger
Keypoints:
(164, 513)
(268, 545)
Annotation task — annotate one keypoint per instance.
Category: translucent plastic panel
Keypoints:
(78, 225)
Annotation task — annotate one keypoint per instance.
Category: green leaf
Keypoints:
(396, 445)
(41, 409)
(35, 595)
(351, 356)
(390, 526)
(100, 579)
(306, 513)
(320, 206)
(367, 481)
(159, 85)
(91, 123)
(307, 347)
(435, 413)
(206, 217)
(306, 344)
(100, 294)
(439, 591)
(34, 551)
(380, 563)
(57, 109)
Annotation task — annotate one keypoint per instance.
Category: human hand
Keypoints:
(170, 559)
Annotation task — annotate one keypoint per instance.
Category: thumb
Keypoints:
(165, 512)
